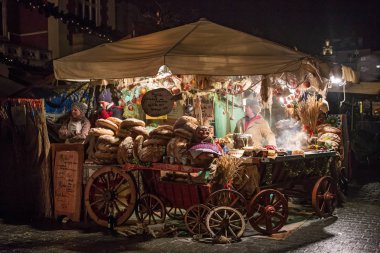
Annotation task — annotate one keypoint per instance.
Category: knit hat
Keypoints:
(80, 106)
(105, 95)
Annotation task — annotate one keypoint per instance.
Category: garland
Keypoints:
(49, 9)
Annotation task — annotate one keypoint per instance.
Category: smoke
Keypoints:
(289, 135)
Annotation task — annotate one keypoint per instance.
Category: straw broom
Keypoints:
(308, 111)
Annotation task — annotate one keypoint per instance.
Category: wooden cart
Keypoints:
(115, 192)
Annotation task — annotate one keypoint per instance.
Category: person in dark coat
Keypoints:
(108, 108)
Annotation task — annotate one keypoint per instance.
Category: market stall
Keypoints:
(183, 91)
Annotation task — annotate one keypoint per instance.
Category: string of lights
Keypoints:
(50, 10)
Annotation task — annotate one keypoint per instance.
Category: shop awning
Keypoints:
(201, 48)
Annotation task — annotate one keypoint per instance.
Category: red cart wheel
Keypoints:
(150, 209)
(324, 196)
(195, 219)
(110, 191)
(268, 211)
(225, 221)
(226, 197)
(175, 213)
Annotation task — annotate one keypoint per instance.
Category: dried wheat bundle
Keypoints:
(308, 111)
(227, 168)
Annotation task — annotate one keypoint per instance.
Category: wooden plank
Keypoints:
(68, 175)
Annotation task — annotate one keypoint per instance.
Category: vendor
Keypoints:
(253, 123)
(107, 107)
(75, 129)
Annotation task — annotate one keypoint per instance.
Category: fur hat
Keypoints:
(80, 106)
(254, 104)
(105, 95)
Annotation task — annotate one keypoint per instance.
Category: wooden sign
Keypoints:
(68, 173)
(158, 102)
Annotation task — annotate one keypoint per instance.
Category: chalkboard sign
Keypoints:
(68, 173)
(158, 102)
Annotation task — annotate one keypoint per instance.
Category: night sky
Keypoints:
(304, 24)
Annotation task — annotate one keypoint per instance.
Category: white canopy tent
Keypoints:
(200, 48)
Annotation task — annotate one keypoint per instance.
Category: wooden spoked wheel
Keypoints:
(175, 213)
(110, 191)
(324, 196)
(195, 219)
(268, 211)
(150, 209)
(226, 197)
(225, 221)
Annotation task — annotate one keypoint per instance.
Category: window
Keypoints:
(3, 18)
(88, 10)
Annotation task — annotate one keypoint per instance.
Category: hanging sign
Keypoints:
(159, 102)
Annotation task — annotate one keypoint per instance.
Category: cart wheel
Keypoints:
(226, 197)
(150, 209)
(195, 219)
(268, 211)
(225, 221)
(324, 196)
(175, 213)
(110, 191)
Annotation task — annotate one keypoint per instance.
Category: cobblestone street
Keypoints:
(355, 228)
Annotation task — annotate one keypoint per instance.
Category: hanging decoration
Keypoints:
(50, 10)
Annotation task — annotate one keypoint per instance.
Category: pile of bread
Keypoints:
(114, 140)
(329, 136)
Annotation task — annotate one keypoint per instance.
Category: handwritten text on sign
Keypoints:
(66, 179)
(157, 102)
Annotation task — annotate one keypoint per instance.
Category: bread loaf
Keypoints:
(99, 131)
(104, 123)
(127, 123)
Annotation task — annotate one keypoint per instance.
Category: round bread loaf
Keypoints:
(331, 129)
(105, 155)
(152, 154)
(106, 148)
(180, 149)
(329, 136)
(333, 144)
(162, 131)
(183, 133)
(137, 146)
(189, 126)
(122, 133)
(159, 142)
(185, 119)
(106, 124)
(125, 151)
(170, 147)
(114, 120)
(164, 137)
(131, 122)
(321, 126)
(167, 127)
(99, 131)
(108, 139)
(140, 130)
